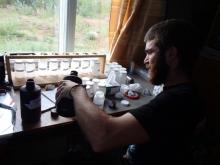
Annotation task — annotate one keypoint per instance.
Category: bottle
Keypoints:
(99, 99)
(65, 107)
(30, 102)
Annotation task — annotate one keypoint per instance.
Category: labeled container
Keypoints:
(30, 102)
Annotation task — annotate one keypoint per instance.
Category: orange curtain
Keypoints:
(129, 21)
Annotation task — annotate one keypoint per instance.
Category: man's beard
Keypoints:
(158, 70)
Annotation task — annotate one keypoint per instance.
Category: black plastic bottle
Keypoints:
(65, 107)
(30, 101)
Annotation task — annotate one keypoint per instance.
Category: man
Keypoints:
(162, 129)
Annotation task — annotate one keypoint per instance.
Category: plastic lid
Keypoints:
(85, 78)
(99, 94)
(88, 86)
(125, 102)
(74, 72)
(101, 84)
(89, 83)
(95, 80)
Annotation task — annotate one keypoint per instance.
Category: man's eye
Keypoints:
(149, 52)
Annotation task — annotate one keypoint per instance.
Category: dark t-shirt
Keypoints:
(170, 120)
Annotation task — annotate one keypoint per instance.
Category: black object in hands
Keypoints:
(65, 106)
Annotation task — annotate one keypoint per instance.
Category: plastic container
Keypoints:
(102, 87)
(19, 69)
(30, 102)
(65, 107)
(99, 99)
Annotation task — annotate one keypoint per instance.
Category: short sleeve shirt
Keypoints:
(169, 119)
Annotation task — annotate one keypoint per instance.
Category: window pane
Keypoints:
(28, 25)
(92, 25)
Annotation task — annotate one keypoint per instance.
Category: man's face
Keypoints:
(155, 63)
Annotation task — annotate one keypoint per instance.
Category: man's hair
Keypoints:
(180, 34)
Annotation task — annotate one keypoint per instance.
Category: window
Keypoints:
(28, 25)
(54, 25)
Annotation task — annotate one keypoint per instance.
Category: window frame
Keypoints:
(67, 22)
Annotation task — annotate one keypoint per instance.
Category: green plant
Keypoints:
(10, 29)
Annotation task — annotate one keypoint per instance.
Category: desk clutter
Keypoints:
(107, 84)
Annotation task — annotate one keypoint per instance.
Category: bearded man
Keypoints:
(162, 130)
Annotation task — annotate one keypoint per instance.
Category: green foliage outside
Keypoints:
(32, 25)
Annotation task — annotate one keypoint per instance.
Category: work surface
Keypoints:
(47, 122)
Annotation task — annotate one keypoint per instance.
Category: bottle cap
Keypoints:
(74, 73)
(125, 102)
(30, 84)
(54, 113)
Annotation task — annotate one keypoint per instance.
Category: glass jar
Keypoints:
(19, 69)
(42, 67)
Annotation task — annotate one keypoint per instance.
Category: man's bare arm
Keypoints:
(102, 130)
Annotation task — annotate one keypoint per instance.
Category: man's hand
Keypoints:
(64, 90)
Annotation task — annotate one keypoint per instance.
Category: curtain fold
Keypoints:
(129, 21)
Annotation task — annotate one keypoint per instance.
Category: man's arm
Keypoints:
(102, 130)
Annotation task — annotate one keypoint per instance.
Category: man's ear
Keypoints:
(172, 57)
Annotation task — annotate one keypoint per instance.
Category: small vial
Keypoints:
(53, 66)
(107, 69)
(90, 83)
(95, 67)
(42, 67)
(99, 99)
(76, 64)
(30, 66)
(64, 66)
(85, 66)
(102, 87)
(123, 76)
(19, 69)
(89, 91)
(95, 85)
(117, 74)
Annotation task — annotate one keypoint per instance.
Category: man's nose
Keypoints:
(146, 59)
